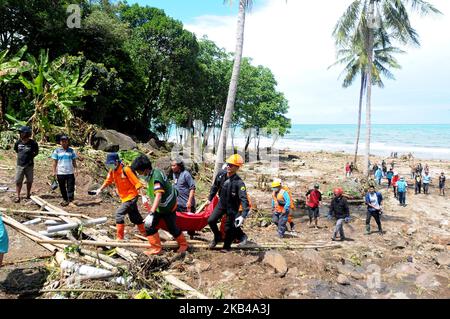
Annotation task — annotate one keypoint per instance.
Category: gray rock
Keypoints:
(427, 281)
(313, 259)
(342, 280)
(277, 261)
(443, 259)
(399, 243)
(112, 141)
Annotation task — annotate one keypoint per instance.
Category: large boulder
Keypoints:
(112, 141)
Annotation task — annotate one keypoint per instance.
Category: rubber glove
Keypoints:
(238, 222)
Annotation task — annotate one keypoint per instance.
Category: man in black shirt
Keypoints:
(26, 150)
(339, 209)
(232, 193)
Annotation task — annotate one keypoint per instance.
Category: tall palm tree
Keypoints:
(243, 6)
(354, 56)
(390, 20)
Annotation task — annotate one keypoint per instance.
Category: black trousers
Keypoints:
(129, 208)
(231, 231)
(376, 216)
(170, 219)
(67, 186)
(418, 188)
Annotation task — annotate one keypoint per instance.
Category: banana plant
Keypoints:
(10, 67)
(56, 89)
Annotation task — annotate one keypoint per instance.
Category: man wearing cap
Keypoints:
(232, 193)
(339, 209)
(313, 199)
(128, 187)
(65, 169)
(26, 150)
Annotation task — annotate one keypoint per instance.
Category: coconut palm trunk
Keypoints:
(361, 98)
(370, 40)
(232, 88)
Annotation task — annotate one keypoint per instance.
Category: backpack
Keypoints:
(286, 189)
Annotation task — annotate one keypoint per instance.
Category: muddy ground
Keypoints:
(411, 260)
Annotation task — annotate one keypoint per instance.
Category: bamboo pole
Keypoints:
(39, 212)
(184, 286)
(175, 244)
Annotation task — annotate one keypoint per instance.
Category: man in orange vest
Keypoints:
(128, 187)
(281, 203)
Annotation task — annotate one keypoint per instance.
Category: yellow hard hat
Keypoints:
(235, 159)
(276, 183)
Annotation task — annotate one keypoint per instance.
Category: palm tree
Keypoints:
(354, 56)
(243, 6)
(390, 20)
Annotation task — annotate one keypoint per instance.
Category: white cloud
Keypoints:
(294, 41)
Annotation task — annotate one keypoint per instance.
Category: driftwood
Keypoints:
(184, 286)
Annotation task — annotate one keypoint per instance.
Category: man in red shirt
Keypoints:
(313, 198)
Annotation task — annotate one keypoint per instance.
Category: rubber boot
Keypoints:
(155, 245)
(120, 231)
(141, 229)
(367, 229)
(183, 245)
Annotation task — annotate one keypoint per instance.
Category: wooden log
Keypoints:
(184, 286)
(175, 245)
(124, 253)
(52, 208)
(39, 212)
(33, 235)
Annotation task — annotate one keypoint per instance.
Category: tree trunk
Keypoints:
(232, 89)
(358, 134)
(247, 143)
(258, 157)
(370, 41)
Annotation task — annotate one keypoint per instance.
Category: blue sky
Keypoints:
(295, 43)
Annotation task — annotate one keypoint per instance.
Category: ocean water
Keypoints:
(428, 141)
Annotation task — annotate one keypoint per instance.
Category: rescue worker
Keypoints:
(339, 209)
(232, 193)
(374, 209)
(164, 206)
(281, 203)
(128, 187)
(313, 198)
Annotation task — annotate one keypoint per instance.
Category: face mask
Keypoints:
(111, 166)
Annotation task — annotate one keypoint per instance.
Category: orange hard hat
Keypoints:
(235, 159)
(338, 191)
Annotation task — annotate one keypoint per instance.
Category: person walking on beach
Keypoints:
(374, 209)
(426, 170)
(389, 176)
(352, 168)
(4, 241)
(340, 210)
(402, 189)
(65, 170)
(394, 184)
(378, 175)
(281, 204)
(418, 184)
(313, 199)
(426, 182)
(374, 168)
(442, 184)
(347, 169)
(26, 149)
(384, 168)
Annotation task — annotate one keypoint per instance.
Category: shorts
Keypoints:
(22, 172)
(313, 212)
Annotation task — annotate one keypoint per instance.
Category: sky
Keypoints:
(294, 40)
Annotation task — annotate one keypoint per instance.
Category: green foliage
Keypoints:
(143, 294)
(7, 139)
(127, 157)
